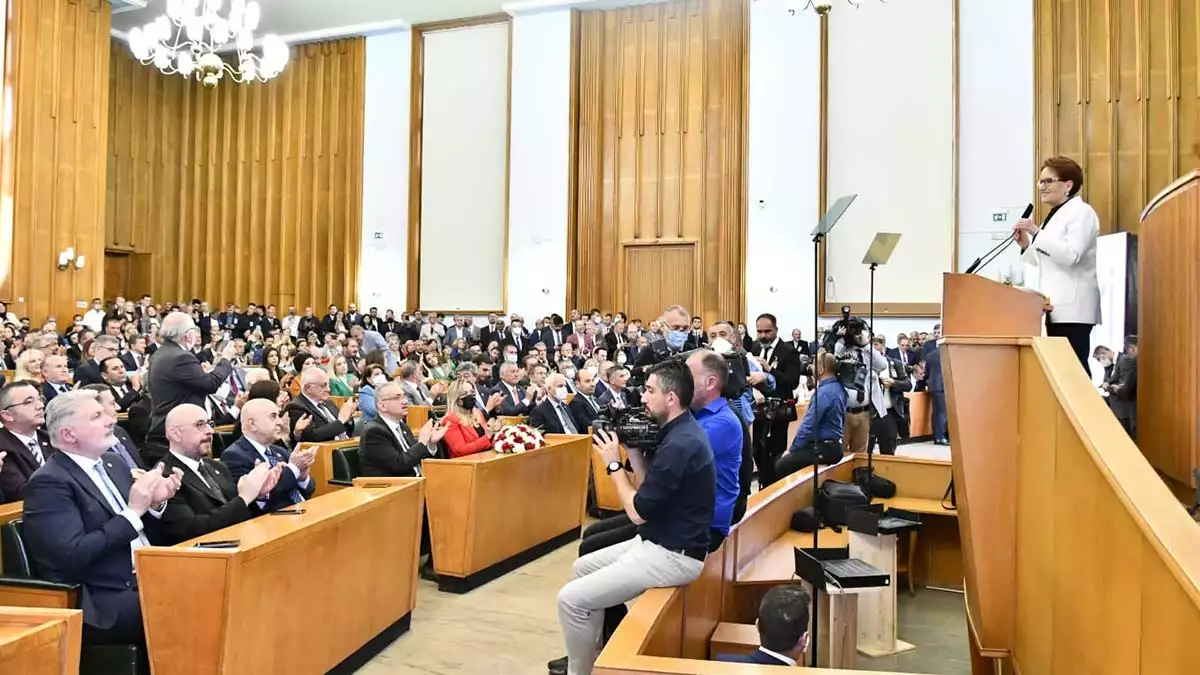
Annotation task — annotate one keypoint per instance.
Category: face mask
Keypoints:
(676, 338)
(510, 358)
(467, 402)
(722, 346)
(569, 373)
(561, 393)
(621, 358)
(1106, 362)
(378, 381)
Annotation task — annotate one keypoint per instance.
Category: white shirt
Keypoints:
(88, 465)
(291, 325)
(786, 659)
(27, 441)
(262, 453)
(194, 465)
(94, 319)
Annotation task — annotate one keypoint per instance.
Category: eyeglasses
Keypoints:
(33, 400)
(204, 424)
(390, 398)
(1049, 181)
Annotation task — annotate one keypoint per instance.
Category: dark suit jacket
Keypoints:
(175, 378)
(523, 349)
(87, 372)
(1123, 401)
(75, 537)
(510, 405)
(759, 657)
(380, 454)
(894, 353)
(49, 392)
(547, 336)
(197, 509)
(130, 446)
(583, 412)
(488, 334)
(318, 431)
(786, 362)
(933, 368)
(125, 402)
(19, 465)
(544, 417)
(130, 363)
(240, 457)
(609, 395)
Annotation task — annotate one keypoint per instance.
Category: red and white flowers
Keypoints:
(517, 438)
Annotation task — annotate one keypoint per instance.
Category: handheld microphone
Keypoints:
(993, 254)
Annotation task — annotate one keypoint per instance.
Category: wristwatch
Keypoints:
(614, 467)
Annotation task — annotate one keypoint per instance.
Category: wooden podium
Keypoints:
(1168, 312)
(982, 321)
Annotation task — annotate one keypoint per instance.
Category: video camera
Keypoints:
(632, 425)
(735, 377)
(850, 328)
(773, 409)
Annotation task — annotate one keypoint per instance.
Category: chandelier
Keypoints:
(185, 41)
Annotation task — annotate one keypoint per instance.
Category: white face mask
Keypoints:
(569, 373)
(621, 358)
(561, 393)
(722, 346)
(378, 381)
(510, 358)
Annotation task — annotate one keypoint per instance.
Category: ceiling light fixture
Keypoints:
(185, 41)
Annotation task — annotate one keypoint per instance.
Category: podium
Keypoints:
(1168, 312)
(983, 324)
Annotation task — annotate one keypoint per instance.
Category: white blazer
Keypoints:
(1064, 254)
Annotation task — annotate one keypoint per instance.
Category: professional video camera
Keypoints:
(773, 409)
(735, 380)
(631, 425)
(850, 328)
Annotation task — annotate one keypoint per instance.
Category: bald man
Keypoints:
(260, 431)
(552, 415)
(208, 499)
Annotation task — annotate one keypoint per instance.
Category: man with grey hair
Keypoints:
(388, 447)
(261, 422)
(328, 423)
(418, 392)
(89, 371)
(176, 376)
(552, 415)
(84, 516)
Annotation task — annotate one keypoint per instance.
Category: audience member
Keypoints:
(782, 628)
(261, 430)
(22, 439)
(467, 432)
(328, 423)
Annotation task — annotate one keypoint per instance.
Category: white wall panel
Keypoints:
(464, 169)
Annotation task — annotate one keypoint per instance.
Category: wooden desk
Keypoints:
(40, 641)
(322, 469)
(490, 513)
(418, 415)
(513, 420)
(301, 594)
(920, 415)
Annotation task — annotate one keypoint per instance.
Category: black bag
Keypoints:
(804, 520)
(875, 486)
(835, 498)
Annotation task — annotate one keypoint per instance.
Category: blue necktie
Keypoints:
(120, 451)
(117, 504)
(272, 460)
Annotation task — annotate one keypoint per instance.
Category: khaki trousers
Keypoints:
(857, 431)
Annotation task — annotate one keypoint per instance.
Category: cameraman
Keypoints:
(821, 431)
(724, 430)
(861, 381)
(673, 509)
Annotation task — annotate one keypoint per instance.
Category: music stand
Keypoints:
(878, 253)
(832, 215)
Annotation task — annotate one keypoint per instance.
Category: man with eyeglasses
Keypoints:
(208, 498)
(258, 444)
(22, 412)
(89, 371)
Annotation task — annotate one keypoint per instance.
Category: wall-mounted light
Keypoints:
(79, 263)
(65, 258)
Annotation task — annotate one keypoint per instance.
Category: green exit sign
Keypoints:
(999, 216)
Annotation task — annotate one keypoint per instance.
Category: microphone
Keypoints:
(991, 255)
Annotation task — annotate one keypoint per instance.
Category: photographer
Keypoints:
(673, 509)
(779, 359)
(822, 429)
(858, 370)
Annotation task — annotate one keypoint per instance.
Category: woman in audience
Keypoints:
(270, 363)
(149, 319)
(466, 431)
(433, 368)
(339, 384)
(747, 341)
(339, 323)
(29, 365)
(300, 362)
(374, 377)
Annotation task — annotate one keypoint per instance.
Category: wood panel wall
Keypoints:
(660, 159)
(1118, 89)
(242, 193)
(57, 68)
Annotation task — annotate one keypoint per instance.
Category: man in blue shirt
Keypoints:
(820, 434)
(724, 431)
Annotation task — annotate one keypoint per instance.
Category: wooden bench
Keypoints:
(41, 641)
(321, 470)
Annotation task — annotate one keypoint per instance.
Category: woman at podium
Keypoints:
(1063, 249)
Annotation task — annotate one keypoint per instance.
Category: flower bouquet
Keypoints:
(517, 438)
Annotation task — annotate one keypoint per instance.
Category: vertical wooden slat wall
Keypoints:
(59, 64)
(1117, 86)
(242, 193)
(660, 182)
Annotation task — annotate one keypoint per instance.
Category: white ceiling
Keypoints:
(319, 19)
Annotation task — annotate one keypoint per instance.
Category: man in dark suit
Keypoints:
(327, 422)
(208, 499)
(516, 401)
(937, 390)
(892, 426)
(88, 371)
(780, 360)
(799, 343)
(135, 358)
(782, 628)
(903, 352)
(308, 324)
(516, 337)
(387, 446)
(353, 318)
(554, 335)
(55, 376)
(615, 394)
(22, 413)
(552, 415)
(1122, 387)
(491, 332)
(176, 376)
(584, 407)
(125, 447)
(85, 515)
(262, 428)
(125, 392)
(329, 323)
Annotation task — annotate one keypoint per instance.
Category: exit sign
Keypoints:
(999, 216)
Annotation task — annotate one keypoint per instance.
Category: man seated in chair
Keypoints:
(328, 423)
(387, 446)
(552, 415)
(261, 429)
(782, 628)
(85, 515)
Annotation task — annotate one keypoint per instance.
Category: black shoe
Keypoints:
(427, 572)
(558, 666)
